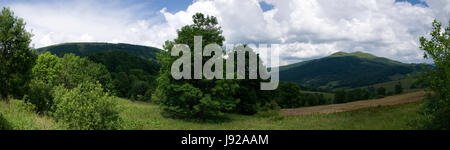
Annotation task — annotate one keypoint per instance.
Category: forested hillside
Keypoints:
(347, 70)
(83, 49)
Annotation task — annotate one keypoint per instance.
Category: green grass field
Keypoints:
(144, 116)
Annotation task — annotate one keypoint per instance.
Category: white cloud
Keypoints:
(308, 28)
(315, 28)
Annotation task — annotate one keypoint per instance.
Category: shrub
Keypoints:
(398, 88)
(138, 90)
(77, 70)
(381, 92)
(183, 104)
(270, 109)
(69, 71)
(437, 113)
(86, 107)
(4, 124)
(46, 75)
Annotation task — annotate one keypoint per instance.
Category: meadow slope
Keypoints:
(145, 116)
(352, 106)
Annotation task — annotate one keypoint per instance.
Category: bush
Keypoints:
(398, 88)
(46, 75)
(185, 101)
(77, 70)
(4, 124)
(381, 92)
(86, 107)
(69, 71)
(436, 112)
(138, 91)
(270, 109)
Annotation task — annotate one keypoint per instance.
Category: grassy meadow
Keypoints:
(145, 116)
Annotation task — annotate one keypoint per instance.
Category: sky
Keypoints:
(306, 29)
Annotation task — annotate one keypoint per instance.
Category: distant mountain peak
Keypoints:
(356, 54)
(346, 70)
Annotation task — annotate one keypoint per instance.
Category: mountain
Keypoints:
(84, 49)
(346, 70)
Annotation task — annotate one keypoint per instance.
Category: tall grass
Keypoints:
(21, 116)
(139, 115)
(145, 116)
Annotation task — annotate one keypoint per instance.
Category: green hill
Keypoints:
(84, 49)
(347, 70)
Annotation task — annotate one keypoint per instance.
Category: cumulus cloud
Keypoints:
(315, 28)
(306, 29)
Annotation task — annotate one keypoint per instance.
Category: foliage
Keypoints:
(138, 90)
(86, 107)
(398, 88)
(77, 70)
(248, 92)
(289, 95)
(381, 92)
(71, 70)
(438, 78)
(132, 76)
(270, 109)
(4, 124)
(342, 96)
(121, 60)
(195, 98)
(16, 58)
(46, 75)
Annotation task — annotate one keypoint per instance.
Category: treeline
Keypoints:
(289, 96)
(342, 96)
(86, 49)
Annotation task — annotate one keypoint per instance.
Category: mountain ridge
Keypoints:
(87, 48)
(346, 70)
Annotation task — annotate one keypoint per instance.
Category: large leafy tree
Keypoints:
(289, 95)
(438, 78)
(201, 98)
(16, 58)
(249, 92)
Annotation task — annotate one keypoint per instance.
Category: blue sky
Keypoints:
(171, 5)
(307, 28)
(414, 2)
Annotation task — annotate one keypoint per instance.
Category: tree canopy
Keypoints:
(16, 58)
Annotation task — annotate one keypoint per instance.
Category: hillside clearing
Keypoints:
(346, 107)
